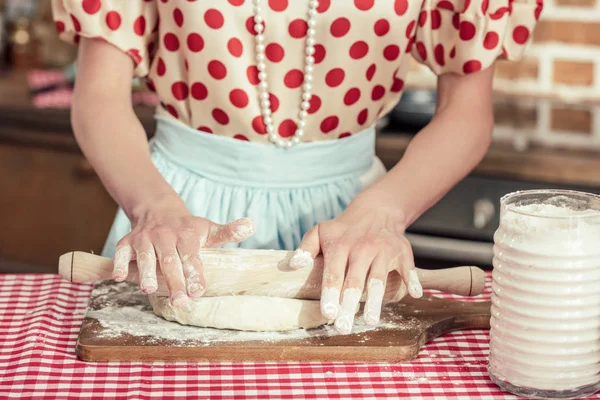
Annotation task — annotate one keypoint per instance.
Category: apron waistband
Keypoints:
(243, 163)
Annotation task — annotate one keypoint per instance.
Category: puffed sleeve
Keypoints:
(464, 36)
(130, 25)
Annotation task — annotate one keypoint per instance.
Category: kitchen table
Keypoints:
(40, 316)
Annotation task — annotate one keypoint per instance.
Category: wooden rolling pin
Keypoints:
(266, 273)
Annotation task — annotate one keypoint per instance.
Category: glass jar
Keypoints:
(545, 325)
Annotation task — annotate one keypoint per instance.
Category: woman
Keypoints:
(265, 133)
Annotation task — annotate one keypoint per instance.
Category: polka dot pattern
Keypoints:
(214, 18)
(235, 47)
(521, 34)
(278, 5)
(139, 26)
(371, 72)
(315, 104)
(91, 6)
(220, 116)
(359, 49)
(60, 26)
(351, 96)
(298, 28)
(238, 98)
(391, 52)
(287, 128)
(217, 69)
(274, 102)
(293, 78)
(252, 74)
(382, 27)
(171, 42)
(274, 52)
(161, 67)
(362, 116)
(377, 93)
(113, 20)
(178, 17)
(199, 56)
(329, 124)
(320, 53)
(335, 77)
(195, 42)
(364, 5)
(491, 40)
(259, 126)
(340, 27)
(473, 34)
(199, 91)
(467, 30)
(179, 90)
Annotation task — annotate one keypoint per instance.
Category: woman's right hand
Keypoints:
(170, 236)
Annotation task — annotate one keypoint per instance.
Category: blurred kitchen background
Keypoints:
(547, 135)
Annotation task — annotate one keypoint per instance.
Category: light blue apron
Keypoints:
(285, 191)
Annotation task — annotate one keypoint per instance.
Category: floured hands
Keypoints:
(172, 239)
(363, 244)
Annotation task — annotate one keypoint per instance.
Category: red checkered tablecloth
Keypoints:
(40, 316)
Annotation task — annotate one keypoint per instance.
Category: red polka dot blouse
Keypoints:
(199, 56)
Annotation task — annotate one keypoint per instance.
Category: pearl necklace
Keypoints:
(263, 88)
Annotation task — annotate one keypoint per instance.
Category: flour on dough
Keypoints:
(245, 313)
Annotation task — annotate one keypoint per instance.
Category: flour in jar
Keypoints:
(545, 326)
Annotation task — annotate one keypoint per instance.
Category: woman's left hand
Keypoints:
(363, 244)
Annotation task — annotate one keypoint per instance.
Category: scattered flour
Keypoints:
(123, 309)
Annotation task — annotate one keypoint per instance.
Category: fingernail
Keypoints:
(414, 286)
(149, 285)
(371, 318)
(179, 300)
(375, 290)
(119, 274)
(244, 228)
(343, 324)
(301, 259)
(330, 302)
(196, 289)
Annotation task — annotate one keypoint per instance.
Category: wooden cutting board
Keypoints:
(120, 326)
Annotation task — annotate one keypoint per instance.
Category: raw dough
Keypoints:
(246, 313)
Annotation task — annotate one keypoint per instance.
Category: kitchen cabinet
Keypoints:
(51, 203)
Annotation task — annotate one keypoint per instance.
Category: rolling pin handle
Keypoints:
(65, 266)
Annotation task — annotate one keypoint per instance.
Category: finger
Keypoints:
(305, 255)
(146, 261)
(233, 232)
(409, 273)
(376, 289)
(193, 269)
(335, 261)
(170, 265)
(358, 267)
(124, 254)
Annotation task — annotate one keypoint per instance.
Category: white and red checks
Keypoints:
(40, 316)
